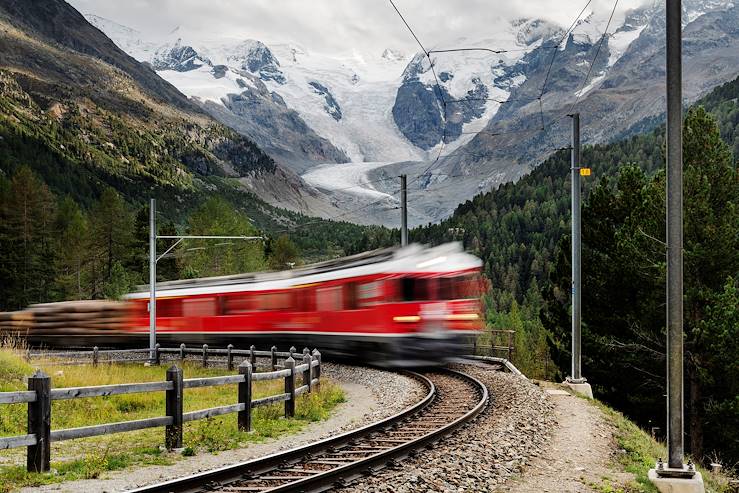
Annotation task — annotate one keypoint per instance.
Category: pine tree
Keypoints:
(26, 237)
(72, 233)
(110, 239)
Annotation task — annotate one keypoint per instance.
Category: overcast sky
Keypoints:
(337, 26)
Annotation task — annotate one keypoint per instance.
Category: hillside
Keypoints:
(83, 113)
(516, 228)
(387, 107)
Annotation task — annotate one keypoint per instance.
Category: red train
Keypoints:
(403, 306)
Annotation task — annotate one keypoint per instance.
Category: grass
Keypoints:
(640, 451)
(90, 458)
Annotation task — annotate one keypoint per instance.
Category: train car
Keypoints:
(403, 306)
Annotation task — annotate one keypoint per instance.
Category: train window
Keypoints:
(414, 289)
(169, 307)
(468, 286)
(329, 299)
(274, 301)
(239, 303)
(303, 300)
(198, 307)
(350, 296)
(369, 290)
(446, 289)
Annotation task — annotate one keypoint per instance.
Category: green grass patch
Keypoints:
(640, 451)
(90, 458)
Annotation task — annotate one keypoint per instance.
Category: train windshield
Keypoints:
(442, 288)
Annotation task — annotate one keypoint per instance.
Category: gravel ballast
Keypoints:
(503, 439)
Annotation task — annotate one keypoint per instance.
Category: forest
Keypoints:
(522, 232)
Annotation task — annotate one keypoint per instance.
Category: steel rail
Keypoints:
(324, 480)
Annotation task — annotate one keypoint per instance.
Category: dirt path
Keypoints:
(579, 453)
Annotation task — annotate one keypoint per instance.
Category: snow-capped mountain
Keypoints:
(308, 108)
(340, 108)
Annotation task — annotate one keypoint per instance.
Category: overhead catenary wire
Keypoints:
(595, 57)
(444, 103)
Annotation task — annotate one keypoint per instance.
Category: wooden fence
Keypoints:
(500, 344)
(40, 395)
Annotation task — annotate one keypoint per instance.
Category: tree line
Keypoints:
(624, 276)
(521, 232)
(52, 249)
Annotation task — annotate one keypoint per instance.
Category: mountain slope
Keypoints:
(516, 227)
(56, 22)
(471, 123)
(93, 110)
(625, 91)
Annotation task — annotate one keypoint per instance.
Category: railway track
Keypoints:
(453, 399)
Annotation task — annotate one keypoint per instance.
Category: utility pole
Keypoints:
(576, 251)
(152, 277)
(675, 450)
(576, 380)
(403, 210)
(676, 476)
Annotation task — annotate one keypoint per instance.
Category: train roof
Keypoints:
(448, 257)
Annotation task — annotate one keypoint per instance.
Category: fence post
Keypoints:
(307, 373)
(290, 388)
(510, 346)
(38, 456)
(274, 357)
(157, 354)
(317, 371)
(182, 353)
(173, 432)
(253, 358)
(244, 417)
(205, 355)
(229, 357)
(95, 355)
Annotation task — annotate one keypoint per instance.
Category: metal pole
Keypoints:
(152, 277)
(403, 211)
(576, 250)
(675, 450)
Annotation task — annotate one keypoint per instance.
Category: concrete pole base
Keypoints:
(677, 485)
(582, 389)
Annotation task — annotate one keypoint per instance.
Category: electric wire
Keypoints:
(440, 98)
(592, 62)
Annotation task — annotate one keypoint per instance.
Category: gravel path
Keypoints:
(582, 446)
(371, 395)
(501, 442)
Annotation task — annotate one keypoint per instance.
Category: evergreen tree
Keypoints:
(72, 233)
(203, 258)
(110, 240)
(26, 238)
(624, 277)
(283, 253)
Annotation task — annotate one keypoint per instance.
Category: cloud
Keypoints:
(339, 26)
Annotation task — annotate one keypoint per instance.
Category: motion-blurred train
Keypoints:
(401, 306)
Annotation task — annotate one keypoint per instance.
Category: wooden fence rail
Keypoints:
(40, 395)
(501, 343)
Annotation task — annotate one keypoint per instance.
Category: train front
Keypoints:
(435, 305)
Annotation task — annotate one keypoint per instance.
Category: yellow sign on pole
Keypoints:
(584, 171)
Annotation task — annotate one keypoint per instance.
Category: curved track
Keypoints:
(453, 399)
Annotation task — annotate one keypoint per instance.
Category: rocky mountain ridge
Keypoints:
(480, 118)
(97, 117)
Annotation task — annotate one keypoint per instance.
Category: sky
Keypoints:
(338, 26)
